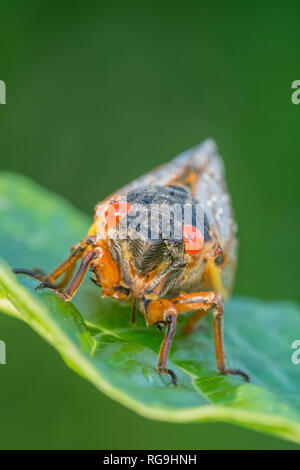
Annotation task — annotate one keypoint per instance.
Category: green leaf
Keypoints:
(95, 339)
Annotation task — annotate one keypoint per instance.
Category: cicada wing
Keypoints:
(204, 166)
(229, 269)
(211, 190)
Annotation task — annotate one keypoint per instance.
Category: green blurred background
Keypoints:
(97, 94)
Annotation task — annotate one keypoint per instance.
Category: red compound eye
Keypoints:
(115, 212)
(193, 239)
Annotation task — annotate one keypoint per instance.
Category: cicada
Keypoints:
(188, 267)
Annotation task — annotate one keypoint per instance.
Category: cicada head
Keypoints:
(155, 233)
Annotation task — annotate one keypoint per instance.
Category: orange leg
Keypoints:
(77, 249)
(95, 255)
(163, 311)
(68, 293)
(65, 269)
(166, 346)
(66, 277)
(201, 301)
(205, 301)
(160, 310)
(68, 265)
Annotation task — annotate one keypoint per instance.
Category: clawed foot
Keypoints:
(170, 373)
(47, 285)
(37, 274)
(238, 372)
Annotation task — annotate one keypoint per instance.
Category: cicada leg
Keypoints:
(205, 301)
(163, 311)
(35, 273)
(166, 346)
(166, 311)
(68, 293)
(68, 265)
(219, 345)
(66, 268)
